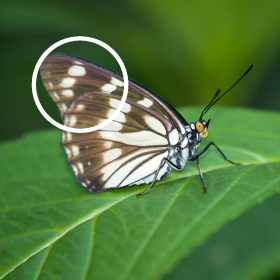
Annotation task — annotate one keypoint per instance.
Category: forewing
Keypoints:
(66, 77)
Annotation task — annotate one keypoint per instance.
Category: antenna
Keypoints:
(213, 101)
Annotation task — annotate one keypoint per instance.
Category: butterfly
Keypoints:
(146, 139)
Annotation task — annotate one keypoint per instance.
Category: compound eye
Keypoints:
(199, 127)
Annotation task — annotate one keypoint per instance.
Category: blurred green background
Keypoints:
(182, 50)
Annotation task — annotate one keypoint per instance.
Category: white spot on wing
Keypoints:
(114, 126)
(126, 108)
(115, 103)
(75, 169)
(155, 124)
(116, 82)
(139, 138)
(173, 137)
(68, 152)
(75, 150)
(145, 102)
(192, 126)
(55, 95)
(67, 93)
(81, 167)
(108, 144)
(50, 85)
(111, 155)
(80, 107)
(63, 107)
(77, 70)
(67, 82)
(69, 136)
(119, 118)
(73, 120)
(108, 88)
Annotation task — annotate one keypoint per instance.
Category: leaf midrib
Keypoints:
(95, 213)
(63, 175)
(157, 184)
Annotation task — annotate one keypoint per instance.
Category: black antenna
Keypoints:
(217, 93)
(213, 101)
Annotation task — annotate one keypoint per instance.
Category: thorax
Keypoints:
(185, 148)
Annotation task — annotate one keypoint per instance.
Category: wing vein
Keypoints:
(107, 164)
(131, 159)
(143, 124)
(135, 168)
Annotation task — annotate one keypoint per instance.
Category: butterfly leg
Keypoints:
(201, 176)
(206, 148)
(202, 152)
(155, 177)
(156, 174)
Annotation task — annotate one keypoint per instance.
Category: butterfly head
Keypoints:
(201, 127)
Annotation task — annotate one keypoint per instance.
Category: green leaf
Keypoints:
(51, 228)
(245, 249)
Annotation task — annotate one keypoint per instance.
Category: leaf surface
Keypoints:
(245, 249)
(51, 228)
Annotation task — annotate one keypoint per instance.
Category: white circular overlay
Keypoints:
(36, 70)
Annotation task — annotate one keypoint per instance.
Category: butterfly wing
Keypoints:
(66, 77)
(127, 151)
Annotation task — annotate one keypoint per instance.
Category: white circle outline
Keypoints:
(34, 80)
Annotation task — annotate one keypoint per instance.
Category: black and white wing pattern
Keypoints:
(129, 150)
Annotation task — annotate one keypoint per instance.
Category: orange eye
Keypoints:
(199, 127)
